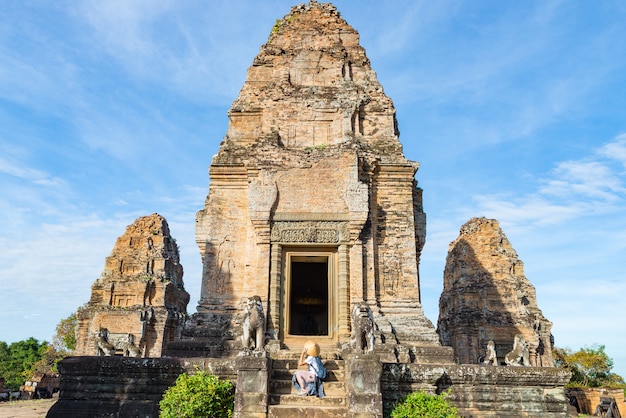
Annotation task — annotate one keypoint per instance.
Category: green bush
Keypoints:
(423, 405)
(198, 395)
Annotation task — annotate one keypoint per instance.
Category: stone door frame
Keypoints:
(338, 291)
(291, 254)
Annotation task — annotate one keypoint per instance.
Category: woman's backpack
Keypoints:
(319, 368)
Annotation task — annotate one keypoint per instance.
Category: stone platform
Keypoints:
(483, 391)
(358, 385)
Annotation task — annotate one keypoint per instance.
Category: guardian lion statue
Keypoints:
(254, 324)
(362, 327)
(491, 358)
(103, 347)
(129, 347)
(520, 355)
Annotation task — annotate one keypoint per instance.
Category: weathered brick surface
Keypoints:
(123, 386)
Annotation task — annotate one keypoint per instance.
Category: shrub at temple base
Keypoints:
(198, 395)
(423, 405)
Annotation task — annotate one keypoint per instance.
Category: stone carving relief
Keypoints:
(103, 347)
(540, 349)
(253, 324)
(391, 272)
(520, 355)
(362, 327)
(226, 265)
(323, 232)
(129, 348)
(356, 195)
(262, 195)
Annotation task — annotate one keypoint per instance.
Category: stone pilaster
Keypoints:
(363, 373)
(252, 388)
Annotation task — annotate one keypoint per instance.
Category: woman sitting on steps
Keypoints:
(309, 383)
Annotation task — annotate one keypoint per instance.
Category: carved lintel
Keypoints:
(319, 232)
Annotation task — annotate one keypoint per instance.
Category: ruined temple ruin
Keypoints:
(323, 211)
(486, 296)
(312, 229)
(139, 302)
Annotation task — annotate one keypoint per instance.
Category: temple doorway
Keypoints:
(309, 293)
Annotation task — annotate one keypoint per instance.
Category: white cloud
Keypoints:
(615, 150)
(124, 26)
(525, 210)
(584, 180)
(30, 174)
(572, 189)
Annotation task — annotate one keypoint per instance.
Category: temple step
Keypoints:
(292, 411)
(283, 401)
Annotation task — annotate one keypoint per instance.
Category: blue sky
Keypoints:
(111, 110)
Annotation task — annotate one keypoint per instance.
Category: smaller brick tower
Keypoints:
(138, 303)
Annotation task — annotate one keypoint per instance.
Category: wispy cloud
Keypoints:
(587, 187)
(585, 180)
(169, 44)
(615, 150)
(30, 174)
(508, 76)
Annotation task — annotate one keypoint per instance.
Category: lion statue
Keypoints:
(253, 324)
(362, 327)
(129, 347)
(103, 347)
(490, 359)
(520, 355)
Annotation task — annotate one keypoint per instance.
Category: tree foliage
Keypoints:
(590, 366)
(65, 337)
(47, 364)
(198, 395)
(63, 345)
(17, 360)
(423, 405)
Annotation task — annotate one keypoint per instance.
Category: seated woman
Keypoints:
(309, 382)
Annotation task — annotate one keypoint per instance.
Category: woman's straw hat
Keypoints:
(312, 348)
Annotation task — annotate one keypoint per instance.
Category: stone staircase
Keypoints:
(283, 401)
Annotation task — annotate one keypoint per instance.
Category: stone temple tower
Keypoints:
(312, 205)
(139, 303)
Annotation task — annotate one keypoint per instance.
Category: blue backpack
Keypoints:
(319, 368)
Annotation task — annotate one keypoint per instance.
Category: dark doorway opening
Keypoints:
(309, 296)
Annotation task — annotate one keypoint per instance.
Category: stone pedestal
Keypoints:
(252, 389)
(363, 372)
